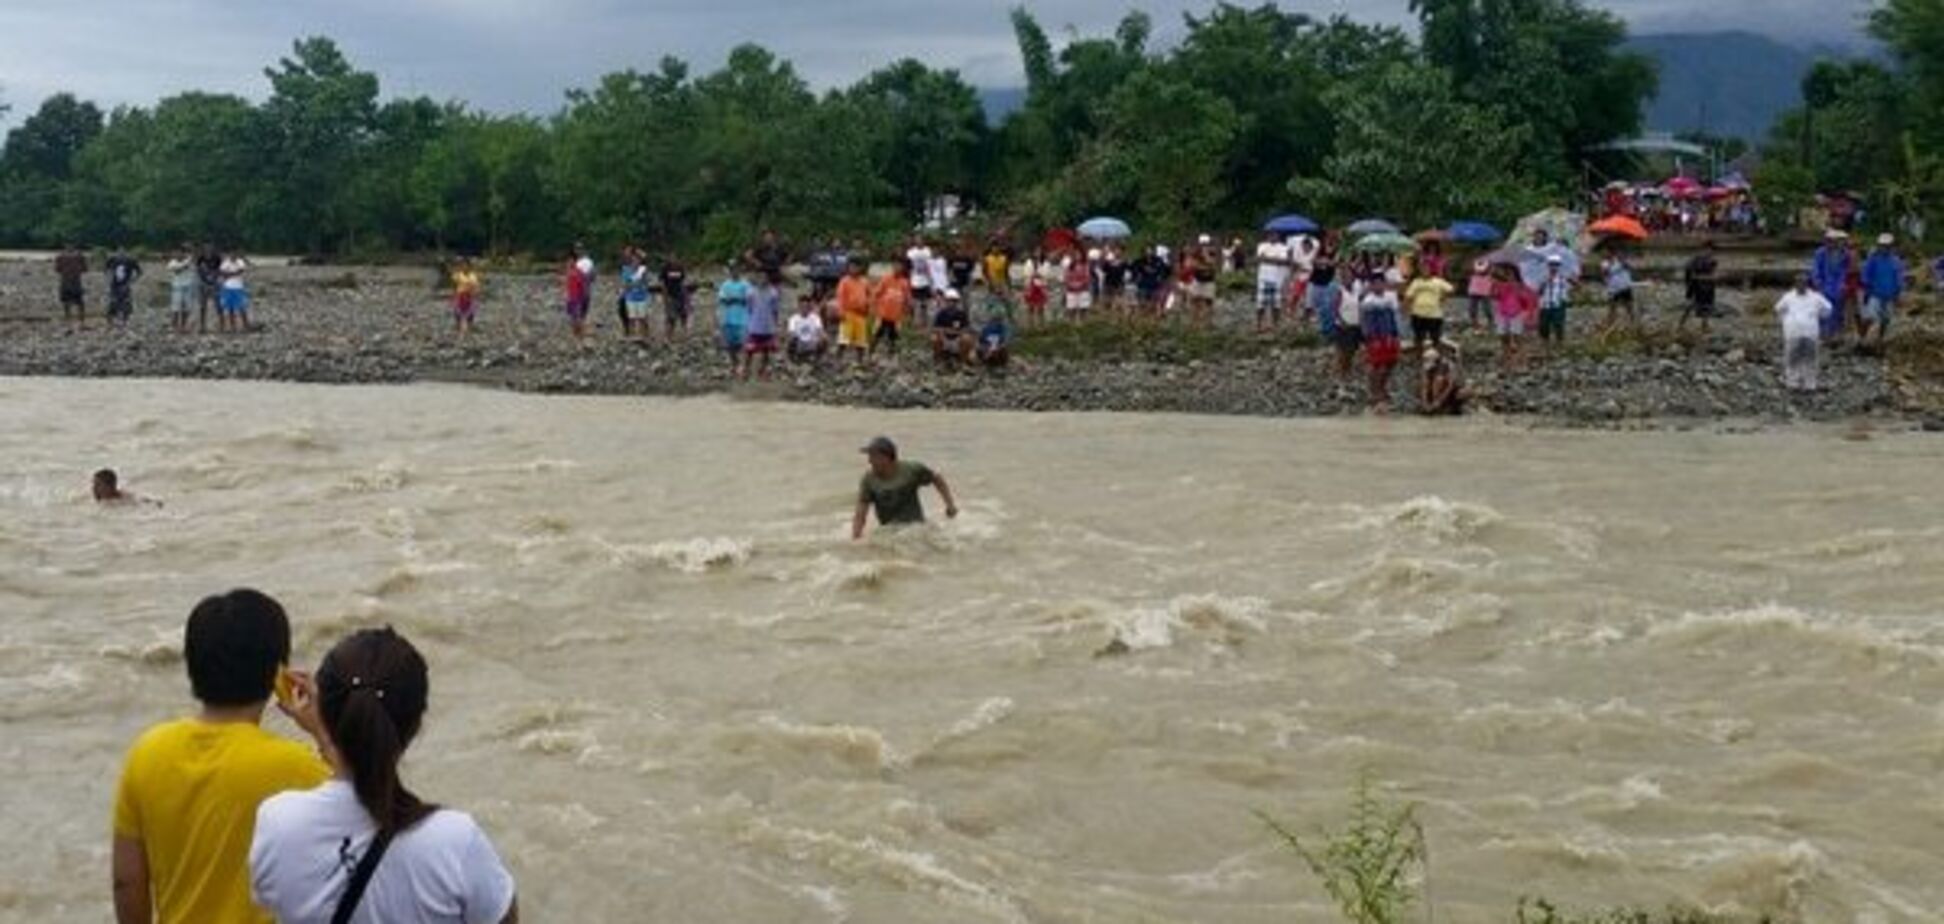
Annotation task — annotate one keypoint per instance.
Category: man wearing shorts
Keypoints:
(123, 271)
(71, 266)
(182, 288)
(891, 300)
(209, 280)
(1077, 281)
(675, 296)
(1883, 285)
(854, 310)
(765, 315)
(1700, 279)
(1272, 280)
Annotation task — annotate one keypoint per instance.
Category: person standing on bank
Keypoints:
(890, 488)
(362, 847)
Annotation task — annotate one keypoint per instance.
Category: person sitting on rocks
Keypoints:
(807, 340)
(995, 342)
(1442, 391)
(951, 334)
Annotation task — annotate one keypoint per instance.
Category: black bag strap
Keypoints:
(361, 878)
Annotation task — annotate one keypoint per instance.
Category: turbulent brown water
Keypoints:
(1639, 668)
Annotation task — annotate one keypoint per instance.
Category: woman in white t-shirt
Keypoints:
(421, 864)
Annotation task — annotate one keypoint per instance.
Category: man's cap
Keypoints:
(952, 295)
(1836, 235)
(1885, 240)
(1556, 260)
(1205, 239)
(880, 446)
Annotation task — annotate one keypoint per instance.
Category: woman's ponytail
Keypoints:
(372, 691)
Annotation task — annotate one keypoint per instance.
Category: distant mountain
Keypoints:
(1000, 102)
(1732, 84)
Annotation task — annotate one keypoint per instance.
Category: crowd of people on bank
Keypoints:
(965, 302)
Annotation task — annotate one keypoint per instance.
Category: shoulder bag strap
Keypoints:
(361, 878)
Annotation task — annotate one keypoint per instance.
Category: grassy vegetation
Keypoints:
(1373, 866)
(1378, 864)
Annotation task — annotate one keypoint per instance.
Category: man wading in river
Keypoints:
(891, 487)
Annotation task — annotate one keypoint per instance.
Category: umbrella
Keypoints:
(1105, 229)
(1508, 256)
(1391, 242)
(1474, 232)
(1561, 225)
(1625, 226)
(1373, 226)
(1291, 224)
(1682, 187)
(1432, 236)
(1059, 239)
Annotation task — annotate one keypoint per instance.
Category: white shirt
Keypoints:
(1272, 262)
(807, 329)
(585, 266)
(232, 272)
(1302, 253)
(1802, 313)
(921, 259)
(440, 870)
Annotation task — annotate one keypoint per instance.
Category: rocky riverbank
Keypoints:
(361, 325)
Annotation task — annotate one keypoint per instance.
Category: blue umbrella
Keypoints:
(1373, 226)
(1105, 229)
(1474, 232)
(1292, 224)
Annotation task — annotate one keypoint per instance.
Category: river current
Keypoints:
(1697, 667)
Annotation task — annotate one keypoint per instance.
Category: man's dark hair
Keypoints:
(106, 478)
(234, 645)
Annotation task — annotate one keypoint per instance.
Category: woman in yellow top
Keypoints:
(1425, 297)
(465, 294)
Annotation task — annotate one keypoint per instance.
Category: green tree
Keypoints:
(39, 157)
(627, 158)
(317, 119)
(1409, 149)
(927, 132)
(1164, 149)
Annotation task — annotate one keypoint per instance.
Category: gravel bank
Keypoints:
(365, 325)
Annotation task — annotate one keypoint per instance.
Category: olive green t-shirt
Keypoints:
(896, 498)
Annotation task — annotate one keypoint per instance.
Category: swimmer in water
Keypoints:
(891, 488)
(107, 490)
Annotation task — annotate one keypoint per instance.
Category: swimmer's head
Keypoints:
(107, 487)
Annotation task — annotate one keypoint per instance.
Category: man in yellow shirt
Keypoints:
(1425, 297)
(186, 806)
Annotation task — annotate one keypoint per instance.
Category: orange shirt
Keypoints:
(893, 297)
(854, 296)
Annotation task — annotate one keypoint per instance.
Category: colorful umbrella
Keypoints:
(1682, 187)
(1474, 232)
(1509, 256)
(1291, 224)
(1391, 242)
(1432, 236)
(1060, 239)
(1105, 229)
(1625, 226)
(1373, 226)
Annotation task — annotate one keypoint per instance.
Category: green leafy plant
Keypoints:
(1373, 866)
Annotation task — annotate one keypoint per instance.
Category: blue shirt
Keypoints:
(764, 307)
(634, 282)
(733, 297)
(1883, 276)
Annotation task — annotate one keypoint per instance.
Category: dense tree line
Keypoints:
(1871, 127)
(1254, 111)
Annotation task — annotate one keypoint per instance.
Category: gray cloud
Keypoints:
(523, 54)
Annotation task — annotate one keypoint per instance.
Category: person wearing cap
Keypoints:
(1829, 272)
(1555, 293)
(890, 488)
(951, 333)
(1883, 284)
(1802, 311)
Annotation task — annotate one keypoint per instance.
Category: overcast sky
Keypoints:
(508, 55)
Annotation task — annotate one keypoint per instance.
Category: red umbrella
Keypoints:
(1682, 187)
(1060, 239)
(1625, 226)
